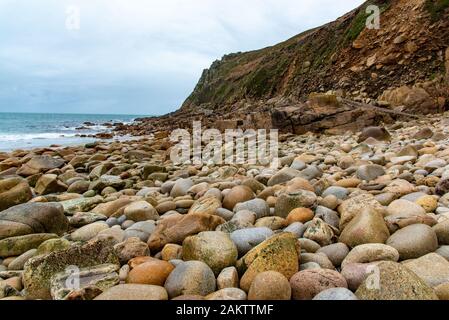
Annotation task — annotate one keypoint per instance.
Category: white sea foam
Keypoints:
(33, 136)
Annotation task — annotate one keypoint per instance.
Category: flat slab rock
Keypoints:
(39, 270)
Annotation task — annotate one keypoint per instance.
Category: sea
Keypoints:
(31, 130)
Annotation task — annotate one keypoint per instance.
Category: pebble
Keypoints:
(246, 239)
(300, 215)
(296, 228)
(366, 253)
(141, 211)
(237, 195)
(287, 202)
(190, 278)
(214, 248)
(131, 248)
(270, 285)
(338, 208)
(154, 272)
(338, 192)
(134, 292)
(414, 241)
(171, 251)
(336, 252)
(228, 294)
(258, 206)
(336, 294)
(308, 283)
(228, 278)
(396, 282)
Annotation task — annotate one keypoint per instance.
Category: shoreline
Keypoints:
(313, 228)
(79, 143)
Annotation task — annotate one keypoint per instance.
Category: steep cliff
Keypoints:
(343, 55)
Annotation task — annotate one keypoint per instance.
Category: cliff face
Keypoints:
(343, 55)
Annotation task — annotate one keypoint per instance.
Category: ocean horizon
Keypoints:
(20, 130)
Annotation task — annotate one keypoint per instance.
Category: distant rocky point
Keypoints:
(311, 81)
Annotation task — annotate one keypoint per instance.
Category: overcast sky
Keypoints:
(133, 56)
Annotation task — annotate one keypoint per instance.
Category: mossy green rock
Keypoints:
(80, 204)
(279, 253)
(15, 246)
(38, 271)
(102, 277)
(53, 245)
(214, 248)
(392, 281)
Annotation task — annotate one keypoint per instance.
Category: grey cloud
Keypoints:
(134, 56)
